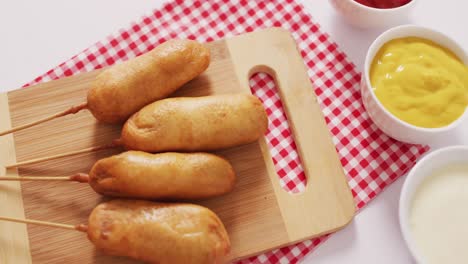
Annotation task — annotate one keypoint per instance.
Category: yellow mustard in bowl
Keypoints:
(420, 82)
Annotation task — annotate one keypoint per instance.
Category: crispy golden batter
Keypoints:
(123, 89)
(168, 175)
(159, 233)
(196, 124)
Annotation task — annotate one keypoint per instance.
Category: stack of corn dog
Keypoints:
(165, 161)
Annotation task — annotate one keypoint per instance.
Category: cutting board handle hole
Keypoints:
(279, 137)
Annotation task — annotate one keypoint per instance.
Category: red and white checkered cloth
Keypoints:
(370, 159)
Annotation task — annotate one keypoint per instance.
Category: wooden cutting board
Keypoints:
(259, 215)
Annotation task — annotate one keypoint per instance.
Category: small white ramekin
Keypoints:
(424, 168)
(368, 17)
(387, 122)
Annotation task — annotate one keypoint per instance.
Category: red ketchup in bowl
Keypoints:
(384, 4)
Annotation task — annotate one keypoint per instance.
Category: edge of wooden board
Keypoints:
(15, 241)
(326, 204)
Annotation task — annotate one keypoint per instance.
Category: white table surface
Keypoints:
(38, 35)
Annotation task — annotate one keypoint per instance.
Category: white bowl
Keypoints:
(387, 122)
(368, 17)
(424, 168)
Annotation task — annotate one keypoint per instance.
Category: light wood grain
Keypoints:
(326, 204)
(258, 214)
(14, 242)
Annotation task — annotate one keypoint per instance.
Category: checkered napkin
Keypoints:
(370, 159)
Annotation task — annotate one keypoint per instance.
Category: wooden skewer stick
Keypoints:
(72, 110)
(81, 227)
(79, 177)
(63, 155)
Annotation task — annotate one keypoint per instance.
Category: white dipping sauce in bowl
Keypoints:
(433, 208)
(439, 216)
